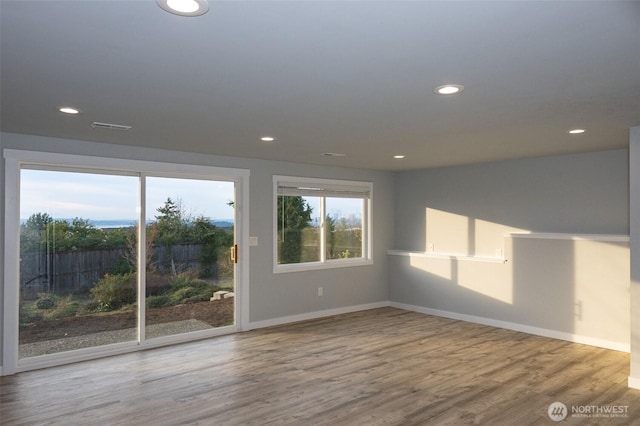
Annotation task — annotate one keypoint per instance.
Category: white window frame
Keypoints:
(16, 159)
(340, 186)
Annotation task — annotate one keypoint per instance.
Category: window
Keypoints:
(321, 223)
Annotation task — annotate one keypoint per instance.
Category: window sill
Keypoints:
(316, 266)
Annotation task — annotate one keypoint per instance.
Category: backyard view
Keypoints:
(300, 228)
(78, 277)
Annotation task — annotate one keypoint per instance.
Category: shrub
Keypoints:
(123, 267)
(187, 280)
(184, 279)
(90, 307)
(185, 288)
(29, 316)
(115, 291)
(45, 301)
(345, 254)
(158, 301)
(49, 306)
(178, 296)
(66, 307)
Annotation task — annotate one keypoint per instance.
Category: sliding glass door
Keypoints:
(77, 260)
(117, 259)
(189, 272)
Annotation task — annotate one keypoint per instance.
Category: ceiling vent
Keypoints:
(98, 125)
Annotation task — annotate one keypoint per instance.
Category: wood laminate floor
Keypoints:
(379, 367)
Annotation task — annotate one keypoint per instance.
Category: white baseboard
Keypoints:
(554, 334)
(575, 338)
(314, 315)
(634, 382)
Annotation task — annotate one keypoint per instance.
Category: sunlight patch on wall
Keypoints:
(447, 232)
(488, 279)
(483, 278)
(438, 267)
(453, 233)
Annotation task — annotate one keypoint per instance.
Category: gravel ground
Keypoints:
(53, 336)
(45, 347)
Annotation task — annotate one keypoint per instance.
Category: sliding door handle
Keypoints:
(234, 253)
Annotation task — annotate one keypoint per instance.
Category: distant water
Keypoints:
(113, 223)
(127, 223)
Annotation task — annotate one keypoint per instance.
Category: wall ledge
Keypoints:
(573, 237)
(436, 255)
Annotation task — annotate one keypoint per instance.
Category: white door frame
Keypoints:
(14, 159)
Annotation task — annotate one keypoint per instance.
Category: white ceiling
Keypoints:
(352, 77)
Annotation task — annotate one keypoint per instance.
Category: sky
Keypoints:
(115, 197)
(66, 195)
(336, 207)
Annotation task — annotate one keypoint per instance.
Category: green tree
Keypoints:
(32, 232)
(348, 238)
(330, 223)
(38, 221)
(176, 226)
(170, 227)
(41, 232)
(83, 235)
(294, 215)
(212, 239)
(170, 222)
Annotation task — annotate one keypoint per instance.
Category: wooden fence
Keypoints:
(77, 271)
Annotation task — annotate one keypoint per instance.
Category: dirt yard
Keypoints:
(215, 313)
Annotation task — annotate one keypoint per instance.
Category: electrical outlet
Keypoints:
(498, 252)
(253, 241)
(320, 291)
(430, 247)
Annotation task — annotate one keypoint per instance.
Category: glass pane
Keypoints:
(344, 228)
(77, 260)
(298, 229)
(189, 276)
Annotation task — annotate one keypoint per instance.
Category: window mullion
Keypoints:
(365, 230)
(142, 256)
(323, 230)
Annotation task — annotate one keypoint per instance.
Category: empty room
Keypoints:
(319, 212)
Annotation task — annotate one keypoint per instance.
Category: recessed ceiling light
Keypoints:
(448, 89)
(184, 7)
(333, 154)
(267, 139)
(69, 110)
(398, 157)
(577, 131)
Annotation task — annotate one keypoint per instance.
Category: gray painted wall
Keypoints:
(634, 157)
(572, 286)
(271, 295)
(585, 193)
